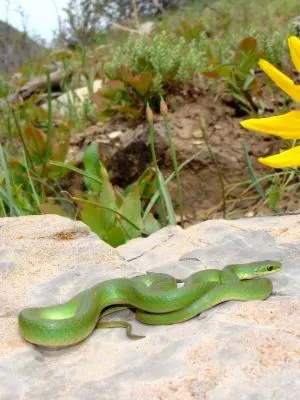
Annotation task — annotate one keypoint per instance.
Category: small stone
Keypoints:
(114, 135)
(218, 127)
(146, 28)
(198, 133)
(198, 142)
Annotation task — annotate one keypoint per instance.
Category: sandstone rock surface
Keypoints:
(235, 350)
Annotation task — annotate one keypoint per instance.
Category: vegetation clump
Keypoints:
(215, 47)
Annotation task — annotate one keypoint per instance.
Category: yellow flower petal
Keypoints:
(281, 80)
(288, 158)
(294, 46)
(286, 126)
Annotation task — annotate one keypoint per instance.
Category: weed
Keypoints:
(239, 73)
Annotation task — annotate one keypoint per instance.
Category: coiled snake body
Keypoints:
(156, 298)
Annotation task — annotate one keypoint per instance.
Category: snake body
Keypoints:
(156, 298)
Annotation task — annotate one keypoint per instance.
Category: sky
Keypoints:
(40, 16)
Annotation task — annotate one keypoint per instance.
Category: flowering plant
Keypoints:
(286, 126)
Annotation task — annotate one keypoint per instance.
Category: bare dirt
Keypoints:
(124, 149)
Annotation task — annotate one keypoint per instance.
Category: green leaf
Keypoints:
(248, 81)
(107, 198)
(95, 219)
(222, 71)
(132, 208)
(273, 196)
(75, 169)
(156, 195)
(91, 162)
(151, 224)
(116, 236)
(48, 208)
(240, 98)
(1, 176)
(167, 199)
(91, 215)
(251, 173)
(128, 110)
(8, 195)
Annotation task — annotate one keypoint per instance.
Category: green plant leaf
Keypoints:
(116, 236)
(128, 110)
(75, 169)
(273, 196)
(132, 208)
(107, 93)
(155, 196)
(251, 173)
(107, 198)
(8, 194)
(91, 215)
(240, 99)
(151, 224)
(248, 81)
(91, 162)
(167, 199)
(222, 71)
(48, 208)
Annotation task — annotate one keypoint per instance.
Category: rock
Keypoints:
(16, 78)
(146, 28)
(198, 133)
(115, 135)
(75, 97)
(235, 350)
(38, 84)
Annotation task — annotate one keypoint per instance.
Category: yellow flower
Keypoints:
(286, 126)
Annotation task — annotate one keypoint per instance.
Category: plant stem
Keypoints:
(170, 177)
(21, 134)
(135, 13)
(214, 160)
(154, 159)
(175, 167)
(34, 193)
(50, 125)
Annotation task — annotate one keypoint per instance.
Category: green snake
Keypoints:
(155, 297)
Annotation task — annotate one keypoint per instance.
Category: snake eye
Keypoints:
(270, 268)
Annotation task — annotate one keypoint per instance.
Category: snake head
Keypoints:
(255, 268)
(264, 267)
(271, 266)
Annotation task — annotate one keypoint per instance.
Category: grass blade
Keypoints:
(167, 198)
(252, 175)
(156, 195)
(49, 125)
(75, 169)
(34, 193)
(13, 209)
(107, 208)
(3, 212)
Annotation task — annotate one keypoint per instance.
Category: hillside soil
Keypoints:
(124, 149)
